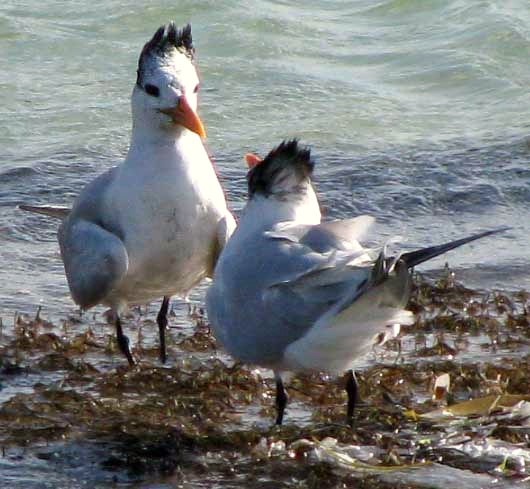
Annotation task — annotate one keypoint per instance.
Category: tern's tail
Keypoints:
(47, 210)
(414, 258)
(348, 328)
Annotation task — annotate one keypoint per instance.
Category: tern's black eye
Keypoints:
(196, 89)
(152, 90)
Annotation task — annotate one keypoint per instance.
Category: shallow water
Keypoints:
(416, 112)
(72, 414)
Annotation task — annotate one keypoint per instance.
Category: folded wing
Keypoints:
(335, 268)
(95, 260)
(347, 329)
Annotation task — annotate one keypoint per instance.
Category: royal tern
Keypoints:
(155, 224)
(293, 294)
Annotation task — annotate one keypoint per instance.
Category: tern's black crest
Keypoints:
(166, 39)
(287, 169)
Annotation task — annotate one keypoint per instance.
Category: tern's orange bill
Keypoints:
(252, 160)
(184, 115)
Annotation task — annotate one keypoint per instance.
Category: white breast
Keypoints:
(168, 204)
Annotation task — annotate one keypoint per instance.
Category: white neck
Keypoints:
(156, 139)
(145, 136)
(265, 212)
(149, 132)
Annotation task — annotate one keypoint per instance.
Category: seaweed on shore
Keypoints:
(205, 417)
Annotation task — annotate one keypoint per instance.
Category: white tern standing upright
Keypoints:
(155, 224)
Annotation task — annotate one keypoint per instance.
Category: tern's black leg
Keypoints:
(161, 319)
(352, 391)
(123, 342)
(281, 399)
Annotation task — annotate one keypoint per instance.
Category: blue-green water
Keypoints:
(417, 111)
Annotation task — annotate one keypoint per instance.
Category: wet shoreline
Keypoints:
(70, 404)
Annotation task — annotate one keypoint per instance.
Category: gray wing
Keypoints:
(334, 266)
(268, 291)
(349, 327)
(95, 260)
(301, 299)
(94, 256)
(327, 236)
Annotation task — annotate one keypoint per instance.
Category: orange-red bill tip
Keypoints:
(252, 160)
(184, 115)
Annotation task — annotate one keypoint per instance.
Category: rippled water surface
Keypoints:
(417, 112)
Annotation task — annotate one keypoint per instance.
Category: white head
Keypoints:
(280, 187)
(165, 95)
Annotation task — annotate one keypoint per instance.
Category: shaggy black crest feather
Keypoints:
(285, 161)
(165, 39)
